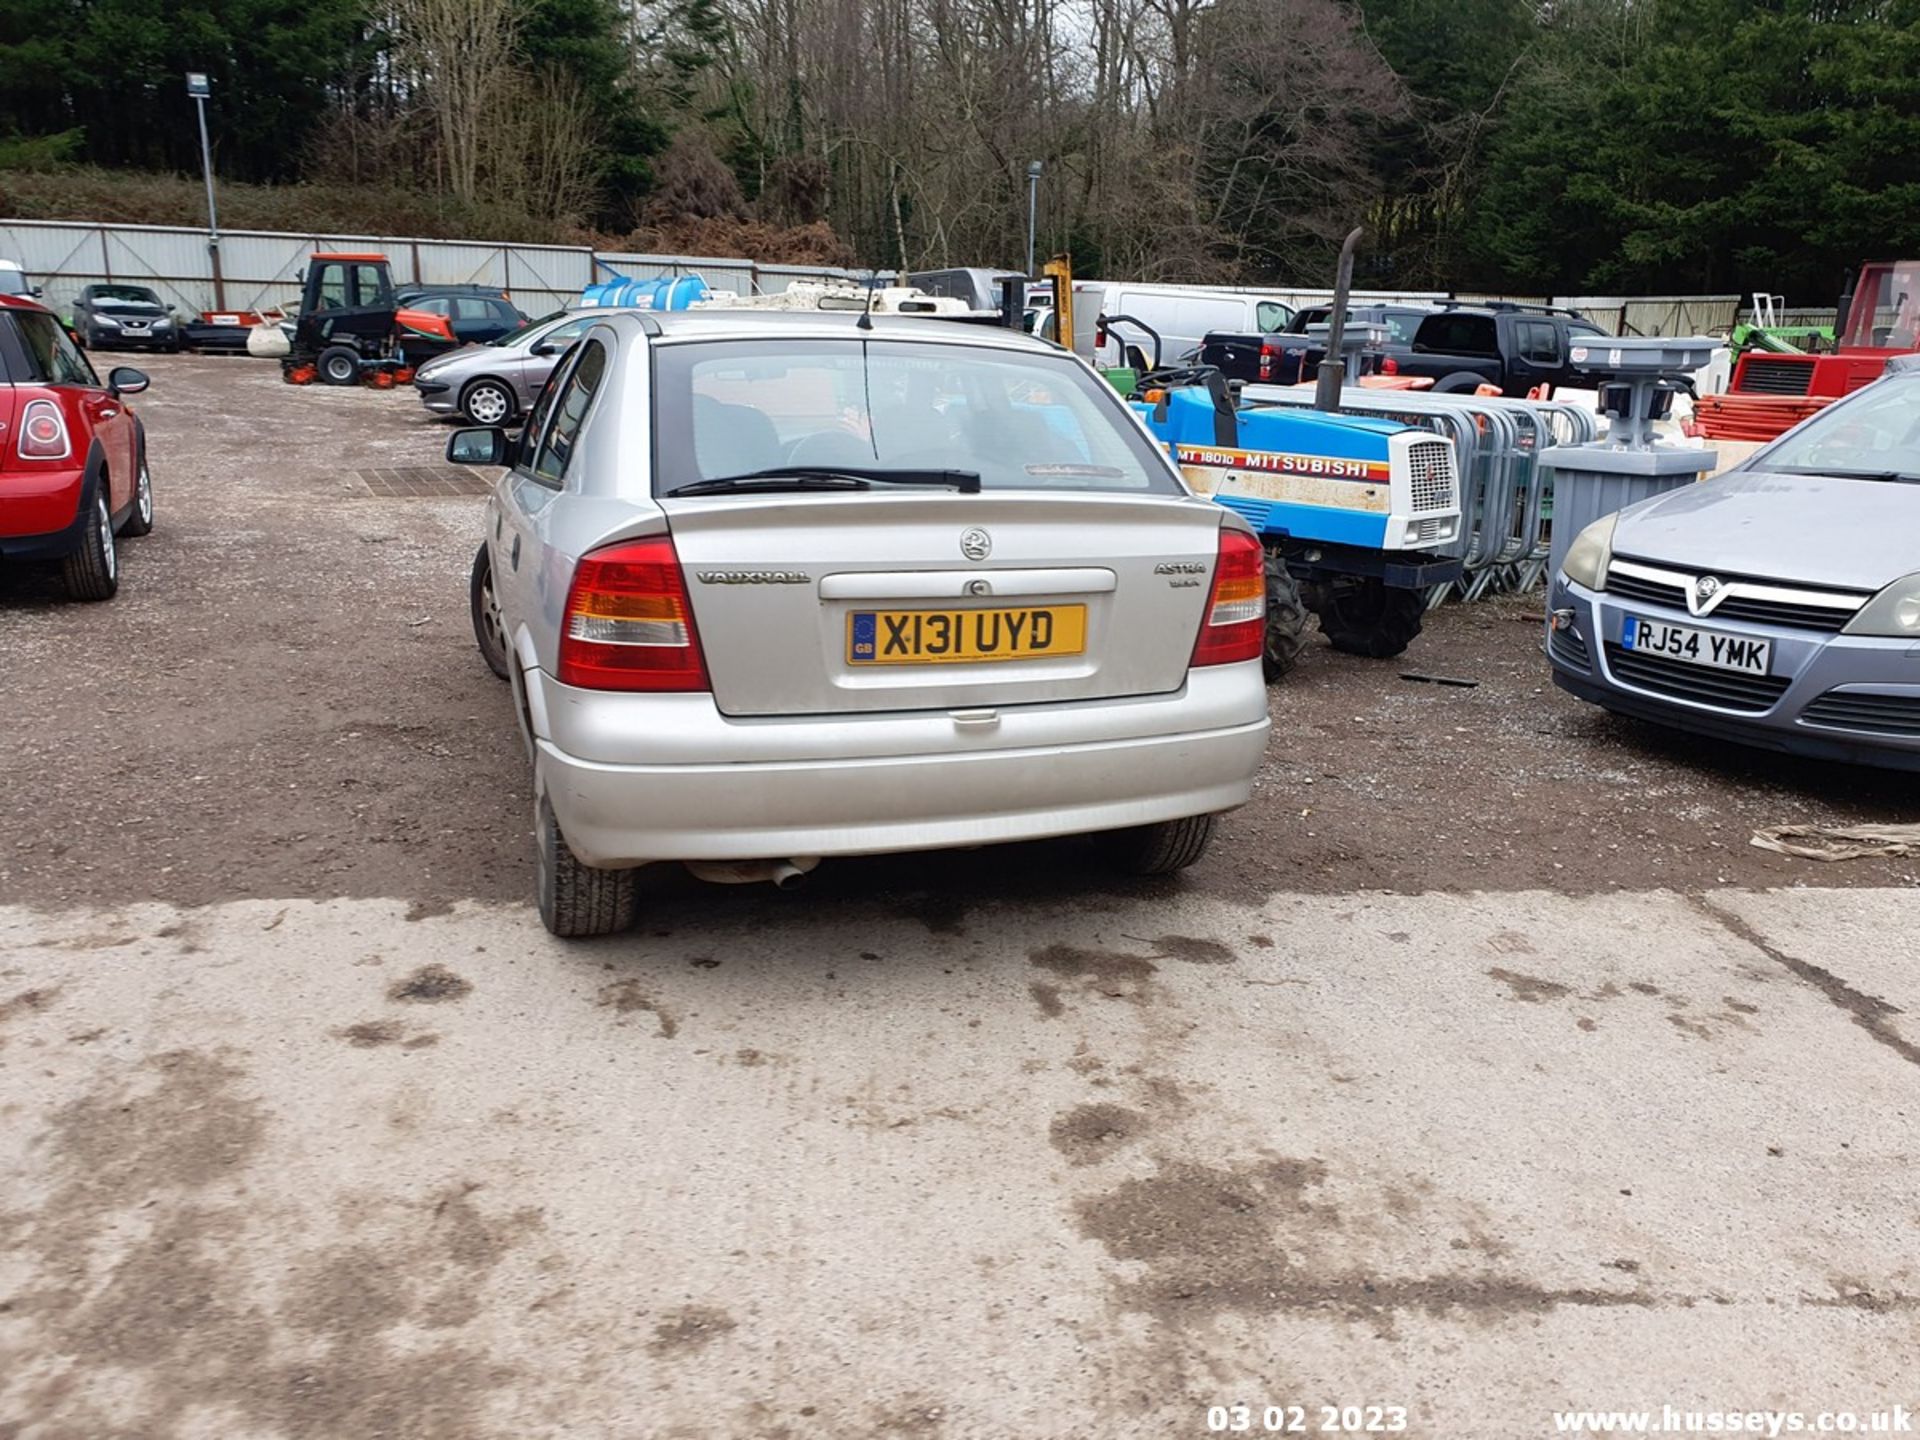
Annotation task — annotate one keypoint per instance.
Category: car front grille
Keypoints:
(1722, 689)
(1775, 375)
(1646, 591)
(1430, 467)
(1748, 598)
(1863, 710)
(1569, 648)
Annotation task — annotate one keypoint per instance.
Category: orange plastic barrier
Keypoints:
(1742, 415)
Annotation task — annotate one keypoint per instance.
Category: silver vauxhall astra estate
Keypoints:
(775, 587)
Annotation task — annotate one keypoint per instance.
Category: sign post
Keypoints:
(199, 87)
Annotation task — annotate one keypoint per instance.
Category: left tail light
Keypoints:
(43, 432)
(1269, 355)
(1234, 627)
(628, 623)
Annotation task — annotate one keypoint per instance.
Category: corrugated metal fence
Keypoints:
(259, 269)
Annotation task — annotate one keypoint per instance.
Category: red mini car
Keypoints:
(73, 455)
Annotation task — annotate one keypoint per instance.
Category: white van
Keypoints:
(1183, 314)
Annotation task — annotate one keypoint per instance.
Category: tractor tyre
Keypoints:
(1286, 620)
(339, 365)
(1371, 618)
(1461, 382)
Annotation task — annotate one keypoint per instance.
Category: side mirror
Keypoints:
(35, 291)
(478, 447)
(545, 348)
(125, 380)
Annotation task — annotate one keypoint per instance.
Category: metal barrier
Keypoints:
(1506, 500)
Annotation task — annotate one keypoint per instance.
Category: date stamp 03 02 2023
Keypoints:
(1306, 1420)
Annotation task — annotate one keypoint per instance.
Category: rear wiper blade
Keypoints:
(833, 477)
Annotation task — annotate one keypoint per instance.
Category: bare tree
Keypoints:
(458, 49)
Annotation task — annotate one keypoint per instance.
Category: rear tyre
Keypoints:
(140, 518)
(489, 633)
(1461, 382)
(1372, 618)
(339, 365)
(489, 403)
(1286, 620)
(1158, 849)
(92, 572)
(577, 900)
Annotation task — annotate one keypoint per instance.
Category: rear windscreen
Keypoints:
(1023, 421)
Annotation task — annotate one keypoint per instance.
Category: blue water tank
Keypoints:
(663, 293)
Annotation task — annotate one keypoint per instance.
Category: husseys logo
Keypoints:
(1277, 462)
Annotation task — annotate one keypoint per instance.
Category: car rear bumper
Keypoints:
(637, 779)
(40, 515)
(1846, 697)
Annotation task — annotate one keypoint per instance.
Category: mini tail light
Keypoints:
(43, 432)
(628, 623)
(1234, 627)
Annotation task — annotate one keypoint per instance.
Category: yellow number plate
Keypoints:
(946, 637)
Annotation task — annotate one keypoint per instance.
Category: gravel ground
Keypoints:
(284, 700)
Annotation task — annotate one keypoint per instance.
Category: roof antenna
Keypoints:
(865, 322)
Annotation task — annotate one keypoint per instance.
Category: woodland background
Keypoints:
(1540, 146)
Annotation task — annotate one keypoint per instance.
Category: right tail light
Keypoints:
(1235, 624)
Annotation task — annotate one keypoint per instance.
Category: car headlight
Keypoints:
(1590, 553)
(1893, 613)
(165, 322)
(106, 320)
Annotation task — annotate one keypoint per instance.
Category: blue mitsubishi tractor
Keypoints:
(1357, 513)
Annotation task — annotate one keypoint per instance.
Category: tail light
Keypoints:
(1389, 366)
(1268, 355)
(43, 432)
(628, 624)
(1234, 627)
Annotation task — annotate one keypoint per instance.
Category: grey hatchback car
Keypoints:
(776, 587)
(1777, 605)
(494, 382)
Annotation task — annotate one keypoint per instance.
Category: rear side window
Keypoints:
(570, 409)
(1455, 334)
(469, 308)
(1539, 341)
(51, 356)
(371, 283)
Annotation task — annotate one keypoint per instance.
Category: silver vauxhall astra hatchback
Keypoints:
(777, 587)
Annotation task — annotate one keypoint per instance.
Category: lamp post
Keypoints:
(199, 87)
(1033, 204)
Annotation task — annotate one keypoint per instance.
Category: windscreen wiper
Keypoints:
(832, 477)
(1842, 474)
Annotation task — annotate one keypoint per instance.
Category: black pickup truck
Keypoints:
(1512, 347)
(1292, 355)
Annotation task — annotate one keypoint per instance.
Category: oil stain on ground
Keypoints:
(1088, 1134)
(1195, 950)
(430, 985)
(1214, 1240)
(624, 997)
(691, 1327)
(1100, 972)
(140, 1266)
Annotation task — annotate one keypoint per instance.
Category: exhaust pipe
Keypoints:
(782, 874)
